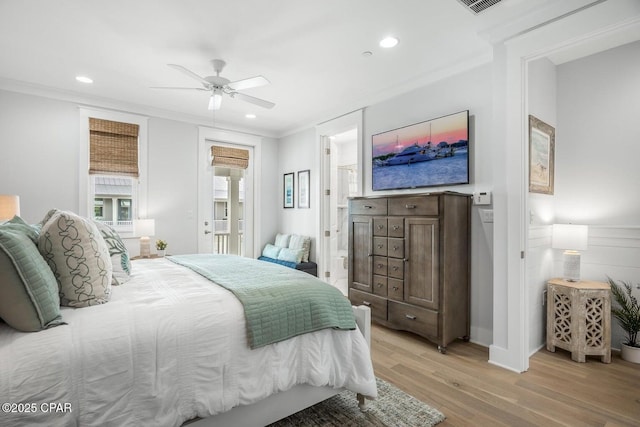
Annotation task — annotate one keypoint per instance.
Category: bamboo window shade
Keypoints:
(229, 157)
(113, 147)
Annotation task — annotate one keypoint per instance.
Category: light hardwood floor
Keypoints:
(555, 391)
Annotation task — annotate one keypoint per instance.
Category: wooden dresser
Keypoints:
(409, 260)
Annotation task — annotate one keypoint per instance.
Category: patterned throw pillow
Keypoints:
(301, 242)
(78, 256)
(119, 254)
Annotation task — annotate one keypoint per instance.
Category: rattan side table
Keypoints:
(579, 318)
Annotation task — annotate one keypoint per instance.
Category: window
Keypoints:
(115, 160)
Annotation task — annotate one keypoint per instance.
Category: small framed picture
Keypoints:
(541, 156)
(288, 189)
(303, 189)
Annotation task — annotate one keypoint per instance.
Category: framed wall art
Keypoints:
(542, 140)
(303, 188)
(288, 188)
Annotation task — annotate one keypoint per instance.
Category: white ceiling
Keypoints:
(311, 51)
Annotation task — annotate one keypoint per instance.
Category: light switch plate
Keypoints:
(482, 198)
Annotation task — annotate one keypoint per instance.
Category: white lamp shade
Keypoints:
(9, 206)
(144, 227)
(570, 236)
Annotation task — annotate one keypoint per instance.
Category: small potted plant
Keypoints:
(627, 311)
(161, 246)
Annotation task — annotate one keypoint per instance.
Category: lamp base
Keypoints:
(145, 247)
(571, 266)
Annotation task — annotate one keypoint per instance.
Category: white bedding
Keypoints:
(169, 346)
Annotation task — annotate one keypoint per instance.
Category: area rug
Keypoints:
(392, 408)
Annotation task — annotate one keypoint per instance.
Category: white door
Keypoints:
(226, 201)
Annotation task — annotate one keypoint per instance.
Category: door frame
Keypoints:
(206, 137)
(323, 131)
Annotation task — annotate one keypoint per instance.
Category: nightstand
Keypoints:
(579, 318)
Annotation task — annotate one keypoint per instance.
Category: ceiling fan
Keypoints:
(219, 85)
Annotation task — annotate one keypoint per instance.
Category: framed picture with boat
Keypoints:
(426, 154)
(542, 142)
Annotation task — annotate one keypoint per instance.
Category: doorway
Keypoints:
(241, 190)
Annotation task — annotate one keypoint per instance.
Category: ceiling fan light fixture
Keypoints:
(215, 102)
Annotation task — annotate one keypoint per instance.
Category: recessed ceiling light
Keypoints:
(84, 79)
(388, 42)
(250, 116)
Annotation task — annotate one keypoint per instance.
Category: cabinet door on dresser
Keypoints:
(361, 253)
(422, 264)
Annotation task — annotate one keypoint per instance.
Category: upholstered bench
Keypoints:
(291, 250)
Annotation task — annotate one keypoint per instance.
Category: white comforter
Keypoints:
(169, 346)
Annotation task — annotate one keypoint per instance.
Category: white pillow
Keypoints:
(282, 240)
(271, 251)
(291, 255)
(79, 258)
(301, 242)
(118, 251)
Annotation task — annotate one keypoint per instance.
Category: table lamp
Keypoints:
(572, 238)
(144, 228)
(9, 206)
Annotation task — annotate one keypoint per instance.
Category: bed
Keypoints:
(169, 348)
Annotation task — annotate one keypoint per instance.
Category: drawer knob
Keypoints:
(410, 316)
(396, 227)
(410, 206)
(395, 288)
(395, 248)
(368, 207)
(380, 246)
(379, 285)
(380, 265)
(396, 268)
(380, 227)
(367, 303)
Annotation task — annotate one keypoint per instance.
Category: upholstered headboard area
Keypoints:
(290, 250)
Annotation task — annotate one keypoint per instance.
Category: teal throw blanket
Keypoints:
(279, 302)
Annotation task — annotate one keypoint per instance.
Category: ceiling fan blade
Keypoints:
(189, 73)
(253, 100)
(179, 88)
(256, 81)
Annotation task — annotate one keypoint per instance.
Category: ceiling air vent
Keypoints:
(477, 6)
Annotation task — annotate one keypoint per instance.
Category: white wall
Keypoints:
(39, 145)
(597, 172)
(542, 102)
(299, 152)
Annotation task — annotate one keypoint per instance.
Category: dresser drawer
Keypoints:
(395, 227)
(380, 265)
(395, 289)
(368, 206)
(419, 320)
(395, 247)
(378, 305)
(380, 246)
(380, 285)
(395, 268)
(379, 226)
(414, 206)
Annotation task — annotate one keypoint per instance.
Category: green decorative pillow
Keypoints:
(291, 255)
(119, 254)
(301, 242)
(78, 256)
(29, 298)
(282, 240)
(271, 251)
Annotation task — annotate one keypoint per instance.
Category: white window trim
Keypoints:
(140, 209)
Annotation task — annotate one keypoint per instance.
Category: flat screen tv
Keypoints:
(426, 154)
